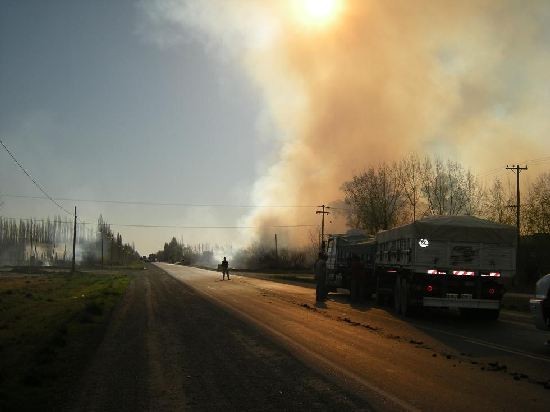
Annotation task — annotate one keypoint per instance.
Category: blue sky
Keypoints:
(93, 109)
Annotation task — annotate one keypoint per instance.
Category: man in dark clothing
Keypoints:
(225, 268)
(321, 277)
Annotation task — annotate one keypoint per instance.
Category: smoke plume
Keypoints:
(374, 80)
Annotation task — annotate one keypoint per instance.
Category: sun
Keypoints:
(317, 13)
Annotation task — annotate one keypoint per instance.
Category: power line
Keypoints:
(33, 180)
(148, 203)
(209, 227)
(168, 226)
(532, 162)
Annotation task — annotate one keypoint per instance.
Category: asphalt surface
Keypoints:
(191, 341)
(169, 348)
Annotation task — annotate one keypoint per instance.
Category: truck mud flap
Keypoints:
(538, 313)
(460, 303)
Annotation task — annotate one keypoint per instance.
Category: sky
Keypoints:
(257, 103)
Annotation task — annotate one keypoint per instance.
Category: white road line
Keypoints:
(487, 344)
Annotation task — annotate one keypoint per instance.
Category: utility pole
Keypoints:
(517, 169)
(74, 241)
(322, 212)
(276, 250)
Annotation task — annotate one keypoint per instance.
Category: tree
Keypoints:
(173, 251)
(536, 213)
(410, 177)
(474, 195)
(375, 198)
(447, 188)
(496, 204)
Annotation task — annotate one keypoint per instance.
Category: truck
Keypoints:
(458, 262)
(340, 250)
(540, 303)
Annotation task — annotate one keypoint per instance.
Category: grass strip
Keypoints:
(50, 326)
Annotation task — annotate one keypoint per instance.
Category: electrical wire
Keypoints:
(210, 227)
(166, 226)
(147, 203)
(532, 162)
(33, 180)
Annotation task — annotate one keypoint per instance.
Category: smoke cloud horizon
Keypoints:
(374, 82)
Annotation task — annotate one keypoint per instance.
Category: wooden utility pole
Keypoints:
(74, 242)
(102, 235)
(276, 250)
(517, 169)
(322, 212)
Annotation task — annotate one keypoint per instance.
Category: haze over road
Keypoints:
(192, 341)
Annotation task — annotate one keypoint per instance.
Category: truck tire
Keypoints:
(489, 314)
(404, 292)
(380, 300)
(467, 313)
(397, 295)
(480, 314)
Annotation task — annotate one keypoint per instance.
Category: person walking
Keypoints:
(225, 268)
(320, 270)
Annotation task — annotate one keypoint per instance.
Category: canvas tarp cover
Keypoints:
(453, 228)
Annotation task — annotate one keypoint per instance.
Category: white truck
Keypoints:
(446, 262)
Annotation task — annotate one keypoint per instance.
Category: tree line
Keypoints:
(176, 252)
(49, 241)
(400, 192)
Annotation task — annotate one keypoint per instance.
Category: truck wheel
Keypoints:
(489, 314)
(397, 295)
(467, 313)
(404, 292)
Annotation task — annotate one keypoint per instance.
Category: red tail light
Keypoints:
(429, 288)
(435, 272)
(492, 274)
(463, 273)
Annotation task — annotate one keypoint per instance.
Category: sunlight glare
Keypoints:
(317, 12)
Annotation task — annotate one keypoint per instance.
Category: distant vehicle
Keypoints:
(540, 304)
(442, 261)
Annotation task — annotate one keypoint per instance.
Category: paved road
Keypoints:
(192, 341)
(169, 348)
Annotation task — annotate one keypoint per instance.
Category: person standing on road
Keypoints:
(320, 270)
(225, 268)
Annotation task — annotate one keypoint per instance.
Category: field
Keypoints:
(50, 326)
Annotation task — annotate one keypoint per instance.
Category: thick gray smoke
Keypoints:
(352, 83)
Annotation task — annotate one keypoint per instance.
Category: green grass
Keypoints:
(50, 325)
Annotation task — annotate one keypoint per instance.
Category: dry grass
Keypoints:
(50, 324)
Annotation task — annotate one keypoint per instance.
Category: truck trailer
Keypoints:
(438, 262)
(340, 250)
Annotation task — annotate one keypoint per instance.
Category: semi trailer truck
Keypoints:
(458, 262)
